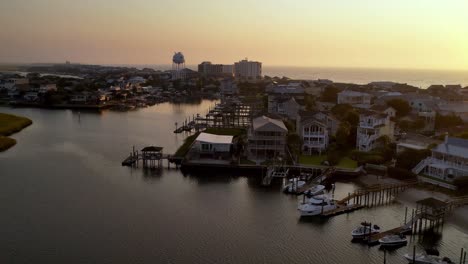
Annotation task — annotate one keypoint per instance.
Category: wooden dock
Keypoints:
(341, 209)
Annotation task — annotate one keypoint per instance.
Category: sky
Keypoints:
(413, 34)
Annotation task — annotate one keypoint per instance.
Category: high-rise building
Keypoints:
(206, 68)
(248, 69)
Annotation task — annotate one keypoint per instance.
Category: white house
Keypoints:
(210, 143)
(448, 161)
(373, 125)
(356, 99)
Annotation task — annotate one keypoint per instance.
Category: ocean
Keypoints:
(415, 77)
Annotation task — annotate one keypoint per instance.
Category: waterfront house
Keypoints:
(285, 99)
(266, 138)
(314, 135)
(44, 88)
(212, 146)
(384, 109)
(448, 161)
(459, 109)
(287, 106)
(371, 127)
(356, 99)
(31, 97)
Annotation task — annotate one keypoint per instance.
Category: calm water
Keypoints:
(64, 198)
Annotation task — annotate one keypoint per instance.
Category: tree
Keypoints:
(340, 110)
(342, 135)
(447, 121)
(309, 102)
(401, 106)
(330, 94)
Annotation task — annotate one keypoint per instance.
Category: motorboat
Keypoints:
(423, 258)
(365, 229)
(315, 190)
(316, 207)
(293, 186)
(393, 240)
(316, 199)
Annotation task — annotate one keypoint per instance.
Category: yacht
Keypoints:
(423, 258)
(365, 229)
(315, 206)
(393, 240)
(317, 189)
(293, 186)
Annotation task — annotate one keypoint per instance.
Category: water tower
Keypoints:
(178, 65)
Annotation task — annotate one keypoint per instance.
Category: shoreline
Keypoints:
(11, 124)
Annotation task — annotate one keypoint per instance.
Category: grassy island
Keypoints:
(10, 124)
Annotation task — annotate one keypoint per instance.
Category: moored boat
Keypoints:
(423, 258)
(393, 240)
(365, 229)
(316, 207)
(315, 190)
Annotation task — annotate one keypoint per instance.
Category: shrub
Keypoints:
(461, 182)
(408, 159)
(400, 174)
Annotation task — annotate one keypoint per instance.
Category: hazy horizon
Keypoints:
(345, 34)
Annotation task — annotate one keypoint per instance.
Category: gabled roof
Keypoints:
(381, 108)
(152, 148)
(264, 123)
(311, 120)
(215, 139)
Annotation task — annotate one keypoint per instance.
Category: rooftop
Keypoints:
(454, 146)
(266, 123)
(216, 139)
(152, 148)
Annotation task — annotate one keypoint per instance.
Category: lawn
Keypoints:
(182, 151)
(312, 160)
(225, 131)
(345, 162)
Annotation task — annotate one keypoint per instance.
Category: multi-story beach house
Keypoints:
(315, 129)
(371, 127)
(266, 138)
(356, 99)
(448, 161)
(314, 135)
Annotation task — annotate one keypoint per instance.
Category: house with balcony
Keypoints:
(266, 139)
(448, 161)
(354, 98)
(314, 134)
(373, 125)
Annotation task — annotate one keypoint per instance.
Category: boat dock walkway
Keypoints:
(341, 209)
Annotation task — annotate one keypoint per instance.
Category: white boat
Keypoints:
(316, 207)
(293, 186)
(365, 229)
(317, 189)
(316, 199)
(393, 240)
(423, 258)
